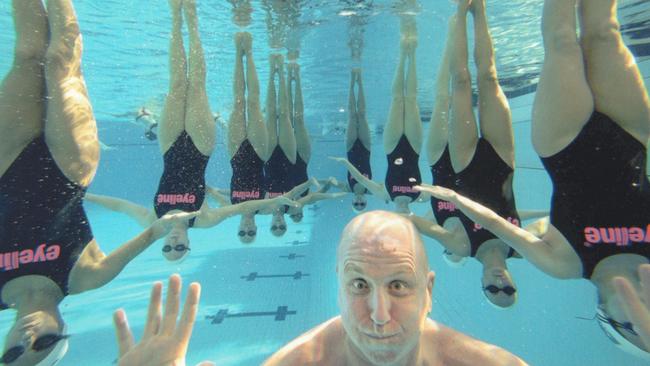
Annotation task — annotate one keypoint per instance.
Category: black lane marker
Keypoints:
(280, 314)
(253, 276)
(292, 256)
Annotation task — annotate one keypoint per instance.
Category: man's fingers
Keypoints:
(154, 313)
(124, 336)
(186, 324)
(172, 305)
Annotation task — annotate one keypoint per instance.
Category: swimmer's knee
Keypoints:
(561, 40)
(64, 51)
(603, 32)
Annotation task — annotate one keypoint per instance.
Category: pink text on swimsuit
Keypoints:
(176, 198)
(43, 253)
(621, 236)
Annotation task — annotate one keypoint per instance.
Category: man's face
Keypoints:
(384, 300)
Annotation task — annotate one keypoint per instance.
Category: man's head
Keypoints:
(498, 286)
(384, 286)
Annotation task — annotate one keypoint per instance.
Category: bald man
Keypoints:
(384, 296)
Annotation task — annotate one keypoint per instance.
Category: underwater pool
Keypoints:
(257, 297)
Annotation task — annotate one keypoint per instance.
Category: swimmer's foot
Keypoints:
(463, 6)
(189, 7)
(477, 7)
(175, 6)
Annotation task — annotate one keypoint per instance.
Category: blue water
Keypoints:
(125, 65)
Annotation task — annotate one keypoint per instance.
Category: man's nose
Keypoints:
(380, 308)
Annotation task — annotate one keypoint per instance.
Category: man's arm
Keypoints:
(139, 213)
(554, 257)
(377, 189)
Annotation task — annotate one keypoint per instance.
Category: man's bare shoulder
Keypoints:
(316, 347)
(455, 348)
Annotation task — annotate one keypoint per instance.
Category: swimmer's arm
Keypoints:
(94, 269)
(299, 189)
(318, 196)
(532, 214)
(214, 216)
(553, 258)
(218, 196)
(331, 181)
(377, 189)
(141, 214)
(435, 231)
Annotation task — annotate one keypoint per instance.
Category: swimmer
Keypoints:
(281, 141)
(247, 138)
(147, 119)
(384, 296)
(357, 141)
(402, 134)
(479, 167)
(49, 153)
(590, 126)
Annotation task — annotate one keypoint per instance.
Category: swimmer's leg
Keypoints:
(412, 119)
(22, 105)
(612, 72)
(463, 133)
(287, 138)
(199, 123)
(173, 117)
(563, 102)
(256, 129)
(70, 128)
(351, 132)
(237, 122)
(438, 128)
(363, 132)
(271, 106)
(394, 128)
(303, 146)
(494, 112)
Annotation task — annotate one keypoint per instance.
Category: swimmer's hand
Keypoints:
(439, 192)
(337, 159)
(164, 342)
(636, 311)
(284, 201)
(163, 225)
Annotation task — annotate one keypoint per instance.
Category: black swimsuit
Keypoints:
(359, 157)
(443, 175)
(247, 181)
(182, 184)
(299, 173)
(43, 226)
(601, 195)
(403, 172)
(487, 180)
(277, 173)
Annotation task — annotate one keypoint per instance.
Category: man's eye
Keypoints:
(399, 286)
(359, 285)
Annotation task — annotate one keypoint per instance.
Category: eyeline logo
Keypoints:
(43, 253)
(176, 198)
(621, 236)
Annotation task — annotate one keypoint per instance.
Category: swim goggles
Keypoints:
(249, 232)
(178, 247)
(281, 227)
(508, 290)
(612, 330)
(40, 344)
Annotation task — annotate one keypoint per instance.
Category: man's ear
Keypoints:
(431, 279)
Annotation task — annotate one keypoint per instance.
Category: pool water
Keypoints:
(257, 297)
